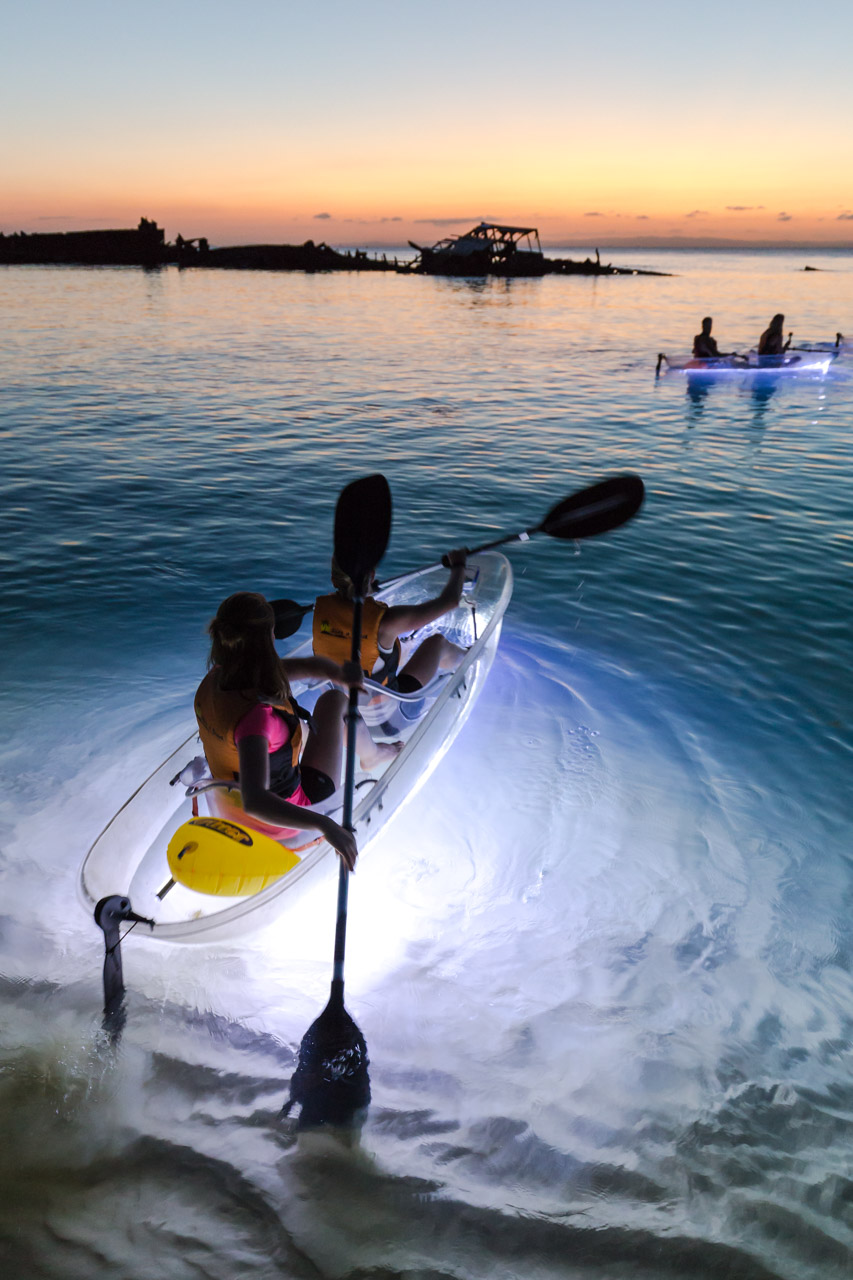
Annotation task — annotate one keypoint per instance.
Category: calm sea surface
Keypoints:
(603, 961)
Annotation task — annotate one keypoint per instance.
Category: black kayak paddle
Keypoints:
(597, 509)
(288, 617)
(585, 514)
(594, 510)
(331, 1082)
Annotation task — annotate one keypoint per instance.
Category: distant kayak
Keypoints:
(811, 361)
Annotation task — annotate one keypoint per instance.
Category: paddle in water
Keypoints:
(585, 514)
(331, 1082)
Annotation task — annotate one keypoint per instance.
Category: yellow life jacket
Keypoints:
(219, 711)
(333, 633)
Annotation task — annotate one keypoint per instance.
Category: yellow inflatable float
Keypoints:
(215, 856)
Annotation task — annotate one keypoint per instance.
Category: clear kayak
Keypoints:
(135, 853)
(810, 361)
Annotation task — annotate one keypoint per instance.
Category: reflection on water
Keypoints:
(697, 391)
(603, 960)
(762, 393)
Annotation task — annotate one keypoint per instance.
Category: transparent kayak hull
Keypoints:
(805, 362)
(129, 855)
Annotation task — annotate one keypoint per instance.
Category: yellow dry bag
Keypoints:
(212, 855)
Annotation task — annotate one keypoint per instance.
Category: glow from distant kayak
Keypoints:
(817, 367)
(809, 365)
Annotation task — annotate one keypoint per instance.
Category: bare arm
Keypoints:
(400, 619)
(323, 669)
(259, 802)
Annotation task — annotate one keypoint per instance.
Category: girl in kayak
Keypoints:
(770, 343)
(250, 724)
(382, 627)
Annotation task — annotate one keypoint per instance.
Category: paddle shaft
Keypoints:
(349, 791)
(524, 536)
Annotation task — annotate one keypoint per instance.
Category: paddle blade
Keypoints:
(595, 510)
(362, 527)
(331, 1084)
(288, 617)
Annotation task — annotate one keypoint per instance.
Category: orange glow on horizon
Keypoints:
(232, 222)
(577, 192)
(414, 202)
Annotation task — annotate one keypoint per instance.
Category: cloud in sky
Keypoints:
(322, 215)
(371, 222)
(594, 214)
(743, 208)
(846, 216)
(642, 217)
(783, 217)
(697, 213)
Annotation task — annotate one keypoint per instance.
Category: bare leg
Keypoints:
(324, 750)
(435, 653)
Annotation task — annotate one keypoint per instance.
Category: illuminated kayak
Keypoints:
(810, 361)
(179, 848)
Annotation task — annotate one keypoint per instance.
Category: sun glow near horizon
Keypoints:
(379, 127)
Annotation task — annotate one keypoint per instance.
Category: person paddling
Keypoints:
(771, 341)
(382, 627)
(704, 346)
(250, 726)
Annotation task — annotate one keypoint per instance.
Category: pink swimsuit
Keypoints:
(262, 722)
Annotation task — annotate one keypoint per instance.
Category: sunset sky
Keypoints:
(375, 122)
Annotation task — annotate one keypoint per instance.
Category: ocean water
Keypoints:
(603, 960)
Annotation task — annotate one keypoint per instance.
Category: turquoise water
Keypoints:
(603, 961)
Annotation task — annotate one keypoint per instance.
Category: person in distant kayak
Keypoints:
(250, 724)
(382, 627)
(771, 342)
(704, 346)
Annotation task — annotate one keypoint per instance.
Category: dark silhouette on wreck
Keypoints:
(143, 247)
(488, 249)
(282, 257)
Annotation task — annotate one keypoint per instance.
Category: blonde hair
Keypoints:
(242, 646)
(342, 581)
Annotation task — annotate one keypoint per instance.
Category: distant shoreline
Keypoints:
(488, 249)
